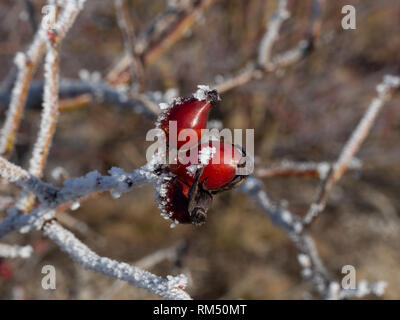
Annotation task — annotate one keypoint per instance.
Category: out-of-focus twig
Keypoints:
(352, 146)
(164, 31)
(311, 264)
(266, 62)
(128, 33)
(30, 10)
(272, 34)
(307, 169)
(79, 92)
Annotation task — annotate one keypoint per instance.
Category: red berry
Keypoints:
(222, 160)
(191, 113)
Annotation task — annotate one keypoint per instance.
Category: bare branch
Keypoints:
(99, 92)
(352, 146)
(128, 33)
(170, 288)
(307, 169)
(272, 34)
(164, 31)
(312, 266)
(266, 62)
(50, 94)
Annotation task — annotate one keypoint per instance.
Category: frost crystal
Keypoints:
(206, 154)
(202, 92)
(304, 260)
(164, 106)
(20, 60)
(192, 169)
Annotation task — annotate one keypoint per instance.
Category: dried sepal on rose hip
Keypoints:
(190, 113)
(182, 203)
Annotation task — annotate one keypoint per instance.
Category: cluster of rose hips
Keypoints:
(189, 186)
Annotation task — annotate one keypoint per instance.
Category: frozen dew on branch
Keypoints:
(14, 251)
(170, 288)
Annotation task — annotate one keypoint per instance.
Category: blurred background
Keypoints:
(303, 113)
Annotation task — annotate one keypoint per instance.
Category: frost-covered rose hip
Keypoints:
(191, 113)
(219, 159)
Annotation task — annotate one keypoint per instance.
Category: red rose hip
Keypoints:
(219, 159)
(191, 113)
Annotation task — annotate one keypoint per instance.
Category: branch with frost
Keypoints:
(172, 253)
(163, 32)
(302, 169)
(265, 61)
(51, 83)
(14, 251)
(170, 288)
(26, 64)
(50, 111)
(74, 189)
(272, 34)
(312, 267)
(94, 91)
(363, 288)
(352, 146)
(308, 257)
(128, 33)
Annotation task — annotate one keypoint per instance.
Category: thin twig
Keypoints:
(50, 95)
(26, 63)
(170, 288)
(99, 92)
(352, 146)
(128, 33)
(272, 34)
(312, 266)
(164, 31)
(266, 62)
(307, 169)
(146, 262)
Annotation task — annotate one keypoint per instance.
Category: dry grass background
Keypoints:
(305, 113)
